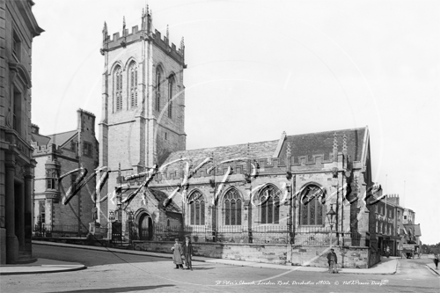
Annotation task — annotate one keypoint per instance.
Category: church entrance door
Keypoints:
(145, 227)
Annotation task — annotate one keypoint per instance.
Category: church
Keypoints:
(283, 201)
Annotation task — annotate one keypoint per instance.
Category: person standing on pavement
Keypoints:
(436, 260)
(187, 252)
(332, 261)
(177, 254)
(387, 252)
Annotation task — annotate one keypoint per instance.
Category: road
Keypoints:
(109, 272)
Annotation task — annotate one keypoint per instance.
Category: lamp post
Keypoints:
(331, 220)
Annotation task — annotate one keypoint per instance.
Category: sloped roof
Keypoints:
(161, 196)
(322, 143)
(263, 149)
(62, 138)
(40, 139)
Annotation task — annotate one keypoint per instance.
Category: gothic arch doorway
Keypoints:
(145, 227)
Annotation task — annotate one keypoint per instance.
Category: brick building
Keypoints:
(18, 27)
(55, 155)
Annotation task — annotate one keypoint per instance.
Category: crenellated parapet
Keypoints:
(144, 33)
(44, 149)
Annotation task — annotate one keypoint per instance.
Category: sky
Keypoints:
(258, 68)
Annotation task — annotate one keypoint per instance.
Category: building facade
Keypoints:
(143, 114)
(18, 27)
(56, 155)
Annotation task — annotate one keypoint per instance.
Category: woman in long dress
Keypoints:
(177, 254)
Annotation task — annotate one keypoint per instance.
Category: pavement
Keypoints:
(388, 266)
(431, 266)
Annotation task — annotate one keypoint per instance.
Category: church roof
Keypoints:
(253, 150)
(307, 144)
(310, 144)
(161, 196)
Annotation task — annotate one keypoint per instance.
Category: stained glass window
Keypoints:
(232, 206)
(196, 209)
(311, 209)
(270, 205)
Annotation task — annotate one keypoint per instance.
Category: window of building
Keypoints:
(232, 206)
(158, 87)
(16, 47)
(72, 145)
(170, 96)
(311, 209)
(133, 84)
(51, 179)
(269, 198)
(196, 208)
(16, 110)
(87, 149)
(117, 82)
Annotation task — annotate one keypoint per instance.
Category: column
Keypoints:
(11, 239)
(28, 205)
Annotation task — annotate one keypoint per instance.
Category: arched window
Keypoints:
(311, 209)
(158, 87)
(171, 82)
(133, 84)
(196, 207)
(232, 205)
(117, 86)
(269, 198)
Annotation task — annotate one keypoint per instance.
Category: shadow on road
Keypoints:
(117, 290)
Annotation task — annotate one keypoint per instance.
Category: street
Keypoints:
(116, 272)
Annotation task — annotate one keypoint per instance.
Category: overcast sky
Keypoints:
(258, 68)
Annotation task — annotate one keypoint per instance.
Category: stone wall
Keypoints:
(314, 256)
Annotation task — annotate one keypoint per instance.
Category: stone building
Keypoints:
(143, 113)
(18, 27)
(56, 155)
(295, 196)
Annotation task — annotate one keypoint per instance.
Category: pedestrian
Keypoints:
(332, 261)
(187, 252)
(177, 254)
(436, 259)
(387, 252)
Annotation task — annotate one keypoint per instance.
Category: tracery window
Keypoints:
(117, 82)
(196, 209)
(170, 96)
(158, 87)
(269, 198)
(232, 206)
(133, 84)
(311, 208)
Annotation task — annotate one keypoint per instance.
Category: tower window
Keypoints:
(133, 84)
(170, 96)
(117, 81)
(158, 87)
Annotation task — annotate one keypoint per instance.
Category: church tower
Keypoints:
(143, 101)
